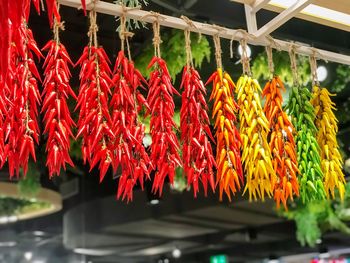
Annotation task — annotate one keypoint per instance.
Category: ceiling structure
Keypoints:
(93, 226)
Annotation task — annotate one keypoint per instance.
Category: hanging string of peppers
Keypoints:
(126, 103)
(197, 154)
(12, 14)
(164, 149)
(303, 115)
(327, 125)
(281, 139)
(254, 129)
(57, 119)
(21, 122)
(95, 123)
(228, 141)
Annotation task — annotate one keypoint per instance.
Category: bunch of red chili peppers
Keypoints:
(95, 123)
(57, 90)
(23, 97)
(165, 146)
(126, 103)
(197, 155)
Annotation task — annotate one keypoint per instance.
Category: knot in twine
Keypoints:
(124, 34)
(313, 67)
(156, 31)
(268, 50)
(93, 29)
(187, 32)
(57, 26)
(245, 60)
(217, 44)
(293, 63)
(243, 33)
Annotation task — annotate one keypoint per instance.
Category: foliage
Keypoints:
(261, 71)
(180, 183)
(132, 23)
(12, 206)
(29, 186)
(173, 52)
(342, 80)
(315, 218)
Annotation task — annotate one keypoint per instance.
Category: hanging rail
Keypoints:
(207, 29)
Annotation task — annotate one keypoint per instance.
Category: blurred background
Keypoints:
(74, 218)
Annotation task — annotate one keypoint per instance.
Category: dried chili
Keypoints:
(95, 123)
(126, 103)
(21, 124)
(57, 90)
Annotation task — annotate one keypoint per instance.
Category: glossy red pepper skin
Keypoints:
(165, 146)
(57, 119)
(197, 155)
(95, 123)
(23, 99)
(126, 104)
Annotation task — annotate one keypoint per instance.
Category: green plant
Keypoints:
(261, 71)
(173, 52)
(12, 206)
(315, 218)
(29, 185)
(342, 80)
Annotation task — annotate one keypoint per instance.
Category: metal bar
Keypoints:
(282, 17)
(258, 4)
(250, 18)
(174, 22)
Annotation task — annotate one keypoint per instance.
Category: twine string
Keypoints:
(293, 64)
(245, 60)
(218, 50)
(313, 67)
(268, 50)
(187, 32)
(156, 30)
(93, 25)
(57, 26)
(244, 34)
(124, 34)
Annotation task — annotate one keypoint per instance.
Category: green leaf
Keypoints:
(281, 59)
(173, 52)
(29, 185)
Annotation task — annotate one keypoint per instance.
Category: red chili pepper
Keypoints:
(22, 129)
(57, 119)
(126, 104)
(94, 123)
(197, 154)
(164, 149)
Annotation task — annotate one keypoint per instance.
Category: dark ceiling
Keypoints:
(94, 223)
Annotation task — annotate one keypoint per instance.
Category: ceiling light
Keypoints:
(154, 201)
(28, 255)
(38, 233)
(316, 11)
(322, 73)
(8, 244)
(249, 51)
(93, 252)
(8, 219)
(324, 255)
(273, 261)
(166, 260)
(176, 253)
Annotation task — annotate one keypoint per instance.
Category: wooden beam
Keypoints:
(336, 5)
(258, 4)
(174, 22)
(250, 17)
(281, 18)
